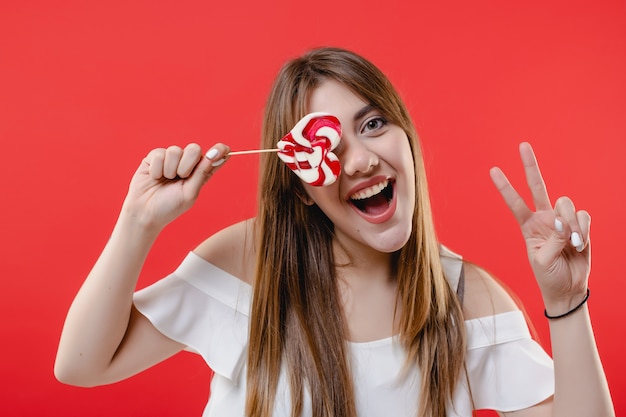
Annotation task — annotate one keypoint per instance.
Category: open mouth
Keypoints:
(373, 200)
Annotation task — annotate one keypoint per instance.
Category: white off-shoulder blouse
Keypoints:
(207, 310)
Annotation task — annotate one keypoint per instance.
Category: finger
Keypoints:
(554, 244)
(172, 159)
(155, 162)
(584, 222)
(511, 197)
(189, 159)
(217, 154)
(533, 178)
(566, 212)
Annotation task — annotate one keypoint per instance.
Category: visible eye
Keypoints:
(373, 124)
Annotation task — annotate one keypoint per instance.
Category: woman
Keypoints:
(339, 300)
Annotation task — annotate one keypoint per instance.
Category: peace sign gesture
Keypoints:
(557, 238)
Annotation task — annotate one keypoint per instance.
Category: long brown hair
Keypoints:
(296, 317)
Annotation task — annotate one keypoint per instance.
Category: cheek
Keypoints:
(401, 156)
(322, 196)
(406, 165)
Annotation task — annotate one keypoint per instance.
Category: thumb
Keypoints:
(205, 169)
(554, 244)
(200, 176)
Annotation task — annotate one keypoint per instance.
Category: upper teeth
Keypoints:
(370, 191)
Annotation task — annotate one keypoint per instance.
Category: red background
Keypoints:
(87, 88)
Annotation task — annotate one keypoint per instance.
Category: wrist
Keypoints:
(558, 310)
(133, 224)
(140, 218)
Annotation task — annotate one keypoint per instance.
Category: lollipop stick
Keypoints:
(253, 151)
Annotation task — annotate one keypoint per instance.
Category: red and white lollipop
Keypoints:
(307, 149)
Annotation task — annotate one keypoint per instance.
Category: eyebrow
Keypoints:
(365, 110)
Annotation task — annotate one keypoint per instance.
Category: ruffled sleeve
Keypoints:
(507, 369)
(204, 308)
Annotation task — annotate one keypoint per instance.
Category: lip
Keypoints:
(366, 184)
(382, 217)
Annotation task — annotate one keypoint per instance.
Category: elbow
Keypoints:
(69, 378)
(72, 375)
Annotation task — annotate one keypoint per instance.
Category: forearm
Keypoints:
(581, 388)
(98, 317)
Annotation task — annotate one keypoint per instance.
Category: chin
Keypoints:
(390, 244)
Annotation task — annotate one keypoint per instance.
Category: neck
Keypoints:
(368, 293)
(363, 264)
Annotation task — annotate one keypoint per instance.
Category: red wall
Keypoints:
(87, 88)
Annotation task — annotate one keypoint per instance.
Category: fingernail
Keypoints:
(558, 225)
(580, 248)
(218, 162)
(212, 154)
(576, 240)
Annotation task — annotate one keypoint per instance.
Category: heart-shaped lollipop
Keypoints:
(307, 149)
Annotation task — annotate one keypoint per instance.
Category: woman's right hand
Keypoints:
(104, 339)
(168, 182)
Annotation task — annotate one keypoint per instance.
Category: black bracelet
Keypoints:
(560, 316)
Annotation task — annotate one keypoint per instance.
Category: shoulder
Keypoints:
(232, 249)
(484, 294)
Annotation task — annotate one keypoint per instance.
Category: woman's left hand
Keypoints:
(557, 238)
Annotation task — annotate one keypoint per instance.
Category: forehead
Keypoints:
(333, 97)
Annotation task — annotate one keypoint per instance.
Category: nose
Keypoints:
(356, 157)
